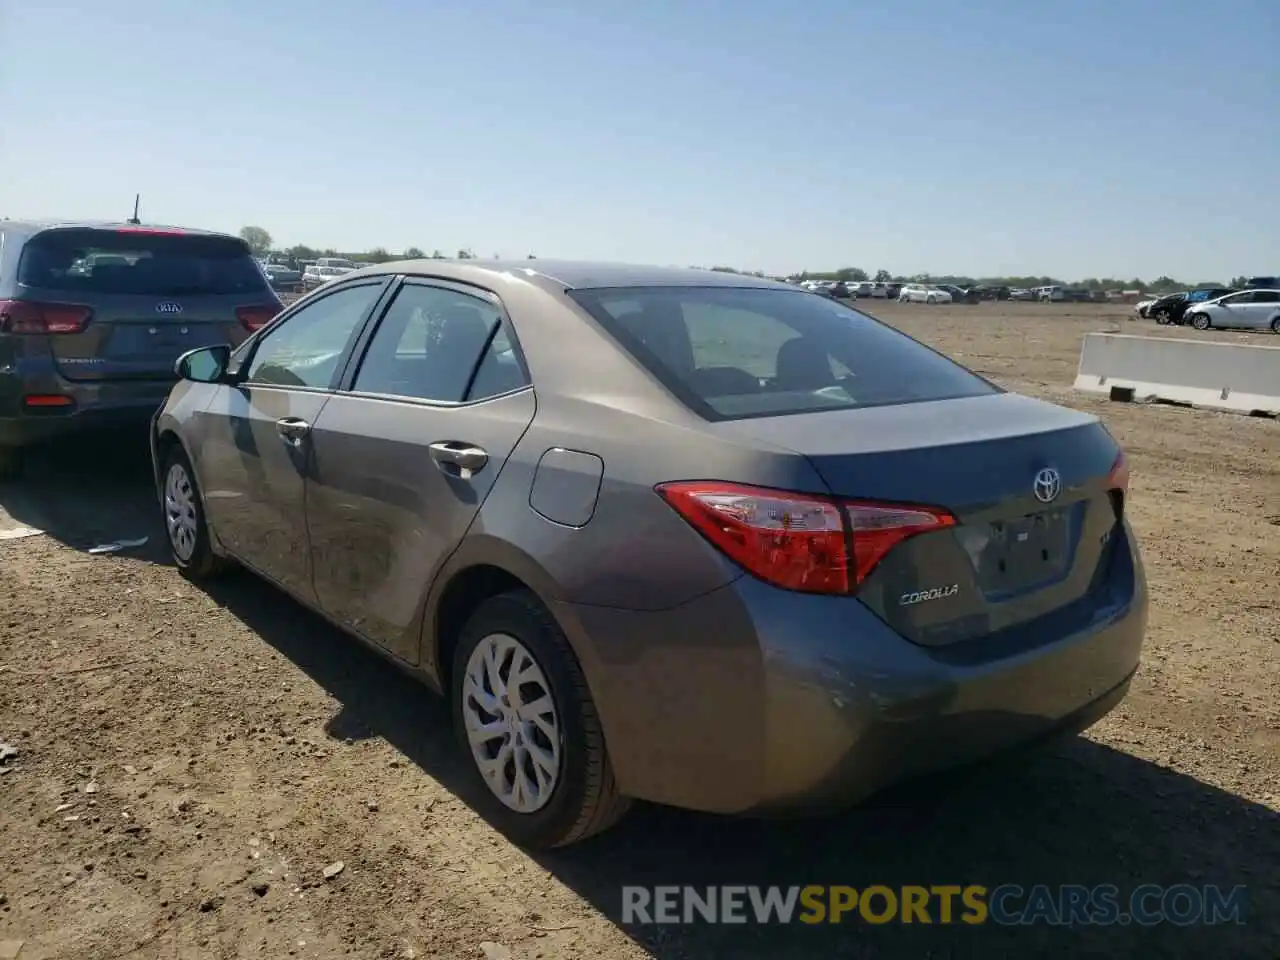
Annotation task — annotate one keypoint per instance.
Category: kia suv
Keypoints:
(93, 317)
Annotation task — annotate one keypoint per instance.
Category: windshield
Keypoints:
(89, 261)
(732, 353)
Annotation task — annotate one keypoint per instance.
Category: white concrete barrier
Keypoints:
(1244, 378)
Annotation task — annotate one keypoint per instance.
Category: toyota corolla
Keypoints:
(682, 536)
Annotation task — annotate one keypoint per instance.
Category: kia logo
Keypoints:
(168, 307)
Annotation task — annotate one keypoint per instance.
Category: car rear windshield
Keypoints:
(95, 261)
(731, 353)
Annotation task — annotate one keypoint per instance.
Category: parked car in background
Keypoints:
(1243, 310)
(958, 294)
(1176, 311)
(1161, 311)
(318, 274)
(984, 292)
(840, 290)
(848, 559)
(1051, 294)
(282, 278)
(1020, 293)
(890, 290)
(863, 289)
(94, 315)
(922, 293)
(1263, 283)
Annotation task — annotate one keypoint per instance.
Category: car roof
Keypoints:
(36, 226)
(574, 274)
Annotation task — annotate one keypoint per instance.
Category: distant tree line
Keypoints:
(260, 242)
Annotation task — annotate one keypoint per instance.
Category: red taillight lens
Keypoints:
(799, 541)
(1118, 478)
(1118, 484)
(28, 316)
(879, 527)
(255, 318)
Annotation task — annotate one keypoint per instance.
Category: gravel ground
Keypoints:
(220, 774)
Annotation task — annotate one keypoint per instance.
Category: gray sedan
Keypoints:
(682, 536)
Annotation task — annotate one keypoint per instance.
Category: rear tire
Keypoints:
(1200, 321)
(930, 300)
(184, 520)
(1275, 325)
(580, 797)
(10, 463)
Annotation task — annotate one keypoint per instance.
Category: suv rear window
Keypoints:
(92, 261)
(733, 353)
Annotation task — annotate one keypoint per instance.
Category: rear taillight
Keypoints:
(1118, 484)
(257, 317)
(29, 316)
(1118, 478)
(799, 541)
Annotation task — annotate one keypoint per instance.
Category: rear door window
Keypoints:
(733, 353)
(84, 261)
(438, 344)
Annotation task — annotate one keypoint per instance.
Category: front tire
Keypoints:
(1275, 325)
(184, 519)
(1200, 321)
(527, 727)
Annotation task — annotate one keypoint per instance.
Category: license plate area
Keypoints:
(1024, 552)
(150, 341)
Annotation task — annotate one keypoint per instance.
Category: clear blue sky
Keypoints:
(1077, 139)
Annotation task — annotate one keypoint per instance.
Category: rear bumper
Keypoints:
(753, 700)
(94, 408)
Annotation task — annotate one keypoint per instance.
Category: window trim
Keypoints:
(358, 352)
(653, 367)
(240, 365)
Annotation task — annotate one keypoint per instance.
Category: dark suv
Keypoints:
(93, 317)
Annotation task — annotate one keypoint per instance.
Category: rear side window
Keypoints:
(92, 261)
(735, 353)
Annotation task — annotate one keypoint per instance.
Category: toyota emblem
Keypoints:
(1048, 485)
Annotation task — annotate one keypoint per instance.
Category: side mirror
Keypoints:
(204, 364)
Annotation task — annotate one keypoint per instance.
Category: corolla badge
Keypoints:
(168, 307)
(933, 593)
(1047, 485)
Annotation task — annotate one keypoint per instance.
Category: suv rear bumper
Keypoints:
(93, 408)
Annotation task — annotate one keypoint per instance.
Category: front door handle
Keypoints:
(458, 459)
(292, 430)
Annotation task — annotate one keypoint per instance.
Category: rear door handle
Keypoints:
(458, 459)
(292, 430)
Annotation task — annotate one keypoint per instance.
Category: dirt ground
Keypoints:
(189, 763)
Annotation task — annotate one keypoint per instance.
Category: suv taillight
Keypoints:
(799, 541)
(32, 317)
(257, 317)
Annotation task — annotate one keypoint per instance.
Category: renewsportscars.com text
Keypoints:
(1007, 904)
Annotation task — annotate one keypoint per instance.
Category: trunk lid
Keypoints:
(1013, 557)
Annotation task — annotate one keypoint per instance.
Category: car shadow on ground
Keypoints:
(89, 492)
(1080, 813)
